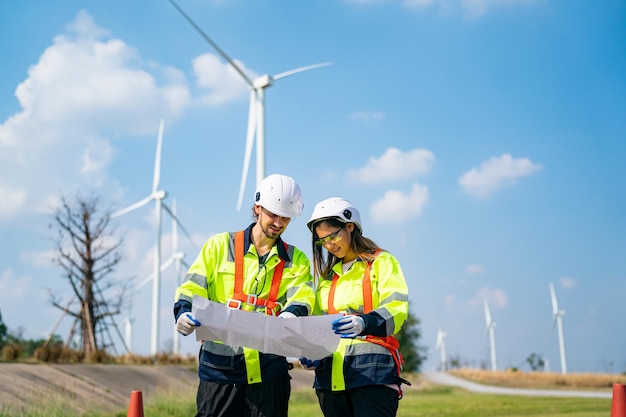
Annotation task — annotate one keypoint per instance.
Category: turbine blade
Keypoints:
(252, 124)
(440, 336)
(132, 207)
(167, 263)
(177, 220)
(147, 279)
(301, 69)
(213, 44)
(143, 282)
(174, 227)
(487, 313)
(157, 158)
(555, 305)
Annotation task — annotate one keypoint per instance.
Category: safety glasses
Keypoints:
(331, 238)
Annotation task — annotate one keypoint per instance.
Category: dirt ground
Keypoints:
(103, 387)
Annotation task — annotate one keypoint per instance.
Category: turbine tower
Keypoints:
(557, 319)
(157, 196)
(256, 115)
(177, 257)
(441, 347)
(492, 337)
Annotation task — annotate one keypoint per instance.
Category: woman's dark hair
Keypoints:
(323, 263)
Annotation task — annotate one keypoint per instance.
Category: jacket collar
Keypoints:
(280, 244)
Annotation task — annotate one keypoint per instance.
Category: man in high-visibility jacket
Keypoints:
(254, 270)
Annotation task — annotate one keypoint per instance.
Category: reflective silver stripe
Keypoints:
(198, 279)
(365, 348)
(231, 247)
(389, 320)
(184, 297)
(290, 250)
(292, 290)
(221, 349)
(396, 296)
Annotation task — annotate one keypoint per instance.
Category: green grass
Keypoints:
(438, 401)
(448, 402)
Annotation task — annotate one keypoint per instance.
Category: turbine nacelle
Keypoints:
(262, 82)
(159, 195)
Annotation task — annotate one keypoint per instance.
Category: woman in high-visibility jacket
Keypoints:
(365, 283)
(253, 270)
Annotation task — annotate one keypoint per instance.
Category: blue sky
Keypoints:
(484, 142)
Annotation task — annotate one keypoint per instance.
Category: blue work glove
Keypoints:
(349, 326)
(309, 364)
(186, 324)
(287, 315)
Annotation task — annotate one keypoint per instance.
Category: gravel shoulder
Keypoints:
(104, 387)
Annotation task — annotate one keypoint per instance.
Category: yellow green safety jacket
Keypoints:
(357, 361)
(212, 275)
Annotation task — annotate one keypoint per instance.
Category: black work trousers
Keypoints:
(265, 399)
(368, 401)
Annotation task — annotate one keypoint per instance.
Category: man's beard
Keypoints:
(267, 231)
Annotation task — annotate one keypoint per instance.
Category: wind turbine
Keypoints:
(256, 115)
(441, 347)
(157, 196)
(177, 259)
(492, 337)
(557, 318)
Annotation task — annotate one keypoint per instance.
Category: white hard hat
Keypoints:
(281, 195)
(335, 207)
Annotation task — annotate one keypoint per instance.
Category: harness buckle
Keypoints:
(251, 299)
(273, 309)
(233, 304)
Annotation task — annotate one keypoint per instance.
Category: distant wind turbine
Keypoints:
(557, 319)
(441, 347)
(492, 337)
(157, 196)
(177, 257)
(256, 115)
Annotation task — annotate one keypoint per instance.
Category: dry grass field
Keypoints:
(541, 380)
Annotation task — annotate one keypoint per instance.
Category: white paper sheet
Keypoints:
(309, 337)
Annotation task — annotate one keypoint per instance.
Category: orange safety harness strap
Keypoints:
(239, 297)
(388, 342)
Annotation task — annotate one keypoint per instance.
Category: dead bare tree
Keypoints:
(88, 253)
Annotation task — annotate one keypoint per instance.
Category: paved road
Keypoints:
(443, 378)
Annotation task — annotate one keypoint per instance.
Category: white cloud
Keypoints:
(475, 269)
(496, 173)
(418, 3)
(11, 200)
(393, 165)
(222, 81)
(449, 300)
(495, 297)
(13, 287)
(43, 258)
(84, 89)
(396, 207)
(367, 116)
(567, 283)
(469, 8)
(364, 1)
(96, 157)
